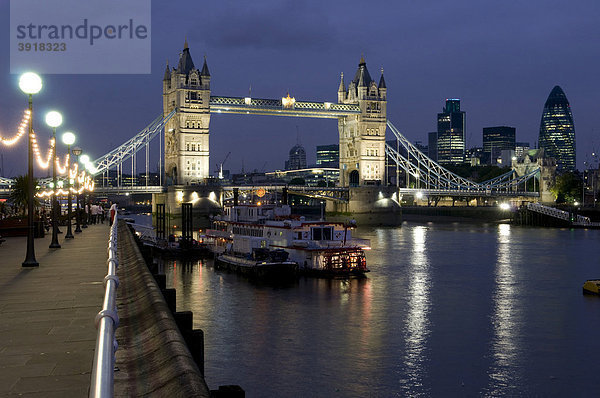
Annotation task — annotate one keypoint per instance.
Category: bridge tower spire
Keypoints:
(362, 137)
(187, 90)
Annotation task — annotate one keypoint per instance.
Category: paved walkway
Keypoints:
(47, 332)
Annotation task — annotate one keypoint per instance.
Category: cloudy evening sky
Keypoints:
(501, 59)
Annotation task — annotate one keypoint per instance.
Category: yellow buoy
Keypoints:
(591, 286)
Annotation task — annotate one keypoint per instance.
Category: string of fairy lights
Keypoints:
(85, 182)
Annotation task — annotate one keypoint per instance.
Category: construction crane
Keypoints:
(220, 166)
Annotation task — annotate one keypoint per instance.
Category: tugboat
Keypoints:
(592, 286)
(320, 248)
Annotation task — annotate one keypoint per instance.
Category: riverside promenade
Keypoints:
(47, 332)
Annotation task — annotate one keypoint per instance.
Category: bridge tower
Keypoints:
(187, 90)
(362, 137)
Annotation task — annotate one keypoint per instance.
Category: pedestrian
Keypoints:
(94, 214)
(101, 213)
(113, 212)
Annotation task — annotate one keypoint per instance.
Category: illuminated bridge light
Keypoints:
(288, 102)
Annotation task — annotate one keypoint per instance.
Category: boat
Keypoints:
(320, 248)
(261, 263)
(591, 286)
(173, 246)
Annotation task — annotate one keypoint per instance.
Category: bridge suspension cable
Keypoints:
(130, 147)
(431, 175)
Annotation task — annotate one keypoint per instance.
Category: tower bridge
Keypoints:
(362, 121)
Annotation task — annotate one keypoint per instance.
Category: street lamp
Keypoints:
(68, 139)
(54, 119)
(30, 83)
(85, 159)
(76, 152)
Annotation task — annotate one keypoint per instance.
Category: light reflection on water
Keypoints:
(448, 310)
(505, 318)
(416, 329)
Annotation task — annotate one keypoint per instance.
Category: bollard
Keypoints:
(195, 342)
(170, 296)
(231, 391)
(161, 281)
(184, 321)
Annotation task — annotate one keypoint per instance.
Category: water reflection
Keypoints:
(417, 323)
(505, 320)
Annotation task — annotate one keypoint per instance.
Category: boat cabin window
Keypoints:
(322, 233)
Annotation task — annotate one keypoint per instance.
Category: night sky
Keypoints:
(501, 59)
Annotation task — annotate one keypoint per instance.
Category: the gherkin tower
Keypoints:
(557, 132)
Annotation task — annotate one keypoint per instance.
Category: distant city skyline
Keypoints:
(500, 61)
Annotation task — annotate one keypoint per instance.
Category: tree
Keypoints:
(19, 195)
(297, 181)
(567, 188)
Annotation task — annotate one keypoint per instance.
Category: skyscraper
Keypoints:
(297, 158)
(497, 139)
(451, 134)
(557, 132)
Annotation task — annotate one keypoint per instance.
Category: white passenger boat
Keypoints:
(318, 247)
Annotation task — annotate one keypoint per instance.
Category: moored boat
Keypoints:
(261, 263)
(591, 286)
(320, 248)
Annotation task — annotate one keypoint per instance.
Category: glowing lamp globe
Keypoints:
(89, 166)
(68, 138)
(85, 159)
(30, 83)
(53, 119)
(76, 151)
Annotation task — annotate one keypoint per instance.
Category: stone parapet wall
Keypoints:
(152, 358)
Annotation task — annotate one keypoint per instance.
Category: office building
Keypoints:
(557, 132)
(422, 147)
(521, 148)
(506, 157)
(475, 156)
(451, 134)
(495, 140)
(432, 147)
(328, 155)
(297, 159)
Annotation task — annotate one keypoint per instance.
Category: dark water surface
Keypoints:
(448, 310)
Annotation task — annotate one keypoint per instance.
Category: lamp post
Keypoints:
(30, 83)
(85, 159)
(54, 119)
(68, 139)
(76, 152)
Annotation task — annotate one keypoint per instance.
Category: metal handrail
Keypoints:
(107, 321)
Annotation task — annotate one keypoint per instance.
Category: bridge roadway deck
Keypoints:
(47, 332)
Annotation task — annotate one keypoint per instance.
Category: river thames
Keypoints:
(447, 310)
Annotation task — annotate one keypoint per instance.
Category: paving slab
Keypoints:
(47, 333)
